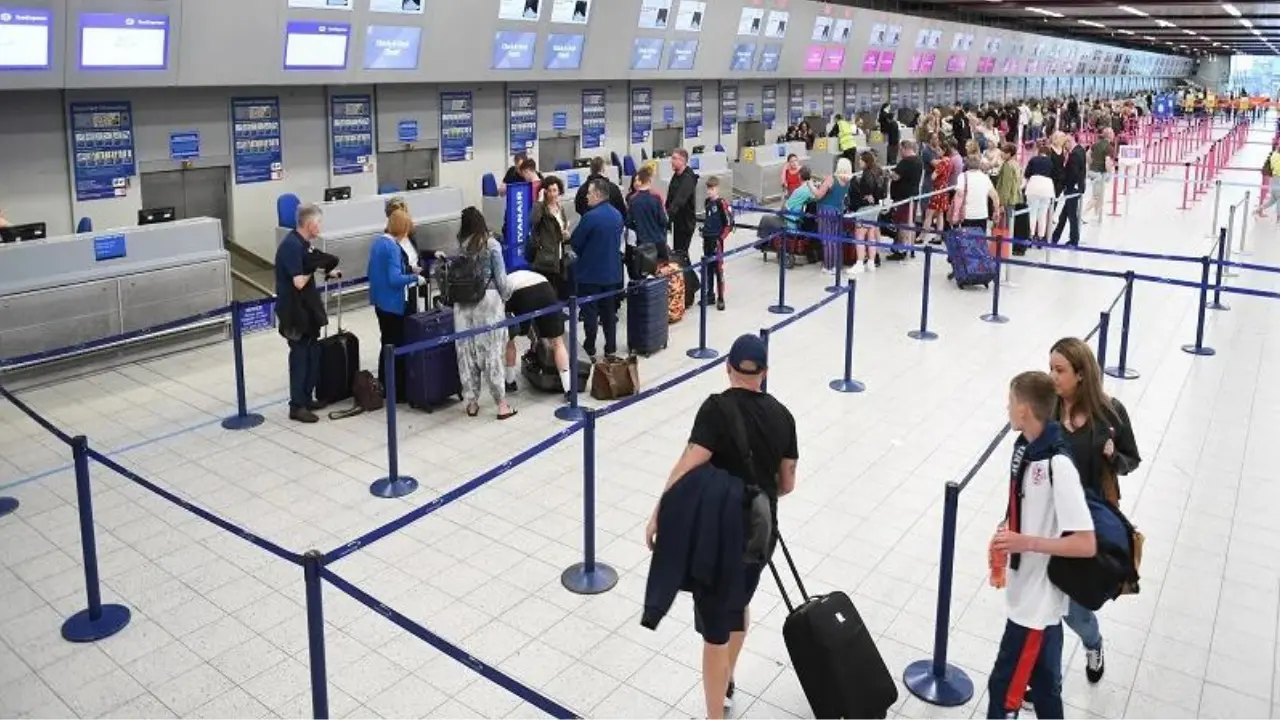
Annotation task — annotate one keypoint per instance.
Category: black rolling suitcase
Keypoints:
(647, 330)
(1021, 228)
(339, 361)
(834, 655)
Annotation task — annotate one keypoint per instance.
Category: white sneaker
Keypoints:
(872, 266)
(857, 269)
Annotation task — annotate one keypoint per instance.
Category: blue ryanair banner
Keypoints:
(517, 224)
(768, 105)
(102, 142)
(351, 133)
(255, 137)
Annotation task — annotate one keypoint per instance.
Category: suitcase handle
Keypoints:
(327, 293)
(794, 573)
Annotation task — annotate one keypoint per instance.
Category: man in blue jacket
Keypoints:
(597, 242)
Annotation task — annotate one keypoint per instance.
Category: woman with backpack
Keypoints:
(547, 249)
(1103, 447)
(479, 289)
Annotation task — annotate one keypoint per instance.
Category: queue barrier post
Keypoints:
(1223, 239)
(994, 316)
(764, 335)
(8, 505)
(315, 634)
(589, 577)
(1125, 190)
(1244, 223)
(96, 621)
(934, 680)
(1115, 195)
(847, 384)
(1186, 185)
(572, 411)
(1217, 202)
(1199, 348)
(782, 308)
(1122, 371)
(243, 419)
(923, 332)
(394, 485)
(836, 286)
(1104, 328)
(702, 352)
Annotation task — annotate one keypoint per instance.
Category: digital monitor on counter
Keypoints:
(683, 54)
(120, 41)
(26, 41)
(316, 45)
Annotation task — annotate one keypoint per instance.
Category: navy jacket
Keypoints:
(596, 240)
(700, 545)
(648, 218)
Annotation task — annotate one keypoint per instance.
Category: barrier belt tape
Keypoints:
(457, 493)
(196, 510)
(35, 416)
(489, 672)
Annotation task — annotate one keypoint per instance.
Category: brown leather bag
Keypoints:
(366, 395)
(615, 378)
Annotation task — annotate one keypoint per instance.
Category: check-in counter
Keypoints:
(75, 289)
(758, 172)
(705, 165)
(573, 179)
(350, 226)
(826, 151)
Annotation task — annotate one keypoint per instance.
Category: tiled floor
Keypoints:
(219, 627)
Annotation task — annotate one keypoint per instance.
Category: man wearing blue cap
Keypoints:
(765, 457)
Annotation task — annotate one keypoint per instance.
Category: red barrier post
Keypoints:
(1186, 183)
(1115, 185)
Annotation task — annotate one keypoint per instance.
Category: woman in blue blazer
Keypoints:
(392, 283)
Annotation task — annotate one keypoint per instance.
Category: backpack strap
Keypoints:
(738, 434)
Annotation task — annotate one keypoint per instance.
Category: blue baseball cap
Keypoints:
(749, 355)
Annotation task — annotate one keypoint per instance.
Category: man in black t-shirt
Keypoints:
(906, 175)
(771, 437)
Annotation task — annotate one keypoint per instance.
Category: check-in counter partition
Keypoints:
(705, 165)
(73, 290)
(759, 171)
(350, 226)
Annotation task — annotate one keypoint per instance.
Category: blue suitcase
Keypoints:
(971, 262)
(431, 375)
(647, 326)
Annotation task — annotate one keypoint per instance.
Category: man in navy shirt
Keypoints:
(597, 242)
(300, 310)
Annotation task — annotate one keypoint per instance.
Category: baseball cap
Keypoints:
(749, 355)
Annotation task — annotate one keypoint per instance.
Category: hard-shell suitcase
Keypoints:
(1021, 228)
(432, 374)
(339, 361)
(971, 263)
(833, 653)
(677, 293)
(539, 369)
(647, 330)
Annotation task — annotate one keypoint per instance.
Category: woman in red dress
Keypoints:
(935, 215)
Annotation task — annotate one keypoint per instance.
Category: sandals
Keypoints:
(473, 409)
(507, 415)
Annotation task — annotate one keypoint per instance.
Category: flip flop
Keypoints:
(506, 416)
(473, 410)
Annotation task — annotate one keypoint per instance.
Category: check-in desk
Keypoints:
(67, 291)
(826, 151)
(350, 226)
(705, 165)
(573, 179)
(759, 171)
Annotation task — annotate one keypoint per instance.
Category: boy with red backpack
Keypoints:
(716, 227)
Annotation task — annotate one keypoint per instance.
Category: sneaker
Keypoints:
(858, 269)
(728, 698)
(872, 267)
(303, 415)
(1095, 664)
(720, 305)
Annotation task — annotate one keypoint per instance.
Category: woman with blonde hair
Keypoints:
(393, 281)
(833, 198)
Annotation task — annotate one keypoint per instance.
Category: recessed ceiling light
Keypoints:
(1125, 32)
(1132, 10)
(1231, 9)
(1189, 32)
(1046, 13)
(1091, 23)
(1165, 23)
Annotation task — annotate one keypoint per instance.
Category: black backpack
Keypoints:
(463, 279)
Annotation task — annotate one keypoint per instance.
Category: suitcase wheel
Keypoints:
(791, 261)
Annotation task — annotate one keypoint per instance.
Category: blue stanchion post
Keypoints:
(8, 505)
(764, 335)
(243, 419)
(394, 485)
(847, 384)
(924, 333)
(994, 316)
(97, 621)
(782, 308)
(589, 577)
(315, 634)
(1104, 329)
(1217, 303)
(933, 680)
(1122, 371)
(572, 411)
(1199, 348)
(702, 352)
(836, 286)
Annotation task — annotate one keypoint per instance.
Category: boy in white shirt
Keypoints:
(1047, 516)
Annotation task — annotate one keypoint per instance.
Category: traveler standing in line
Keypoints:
(1040, 191)
(906, 179)
(977, 189)
(393, 277)
(547, 249)
(1098, 431)
(616, 199)
(867, 191)
(480, 358)
(832, 204)
(682, 201)
(646, 216)
(598, 268)
(1073, 178)
(1271, 174)
(300, 311)
(769, 462)
(1009, 188)
(935, 216)
(514, 174)
(892, 133)
(717, 226)
(790, 178)
(1101, 165)
(960, 128)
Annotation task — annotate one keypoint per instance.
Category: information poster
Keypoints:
(795, 108)
(255, 135)
(828, 100)
(457, 126)
(769, 104)
(351, 133)
(102, 135)
(850, 99)
(692, 112)
(641, 115)
(877, 93)
(728, 108)
(593, 119)
(522, 119)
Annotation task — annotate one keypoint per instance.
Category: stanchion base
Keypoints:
(1127, 373)
(1230, 274)
(702, 353)
(994, 318)
(391, 488)
(1201, 350)
(953, 689)
(922, 335)
(243, 422)
(569, 413)
(833, 289)
(781, 309)
(1217, 306)
(8, 505)
(601, 579)
(846, 386)
(80, 628)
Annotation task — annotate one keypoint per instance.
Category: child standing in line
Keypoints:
(716, 228)
(1047, 516)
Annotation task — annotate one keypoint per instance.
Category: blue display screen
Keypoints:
(683, 54)
(646, 54)
(564, 51)
(388, 47)
(513, 50)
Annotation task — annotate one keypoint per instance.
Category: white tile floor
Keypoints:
(219, 628)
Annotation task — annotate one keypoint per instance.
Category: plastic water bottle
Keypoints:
(998, 562)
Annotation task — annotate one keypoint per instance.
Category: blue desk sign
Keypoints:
(669, 114)
(559, 121)
(695, 162)
(407, 131)
(751, 109)
(256, 317)
(108, 247)
(573, 180)
(184, 145)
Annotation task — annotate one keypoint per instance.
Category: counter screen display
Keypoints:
(316, 45)
(116, 41)
(564, 52)
(574, 12)
(25, 40)
(751, 21)
(513, 50)
(392, 47)
(769, 57)
(646, 54)
(744, 54)
(655, 14)
(683, 54)
(777, 25)
(321, 4)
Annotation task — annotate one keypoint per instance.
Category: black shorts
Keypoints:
(714, 621)
(532, 299)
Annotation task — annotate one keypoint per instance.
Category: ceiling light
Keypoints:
(1245, 22)
(1091, 23)
(1231, 9)
(1165, 23)
(1042, 11)
(1189, 32)
(1148, 37)
(1125, 32)
(1132, 10)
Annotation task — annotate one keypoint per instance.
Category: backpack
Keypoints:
(463, 279)
(1113, 570)
(727, 211)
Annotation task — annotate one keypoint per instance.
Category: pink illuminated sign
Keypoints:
(870, 61)
(834, 60)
